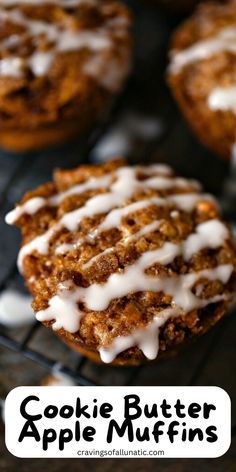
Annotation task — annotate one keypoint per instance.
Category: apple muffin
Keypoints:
(202, 74)
(62, 62)
(125, 263)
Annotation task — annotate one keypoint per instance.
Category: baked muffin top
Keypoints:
(207, 23)
(202, 72)
(57, 54)
(111, 252)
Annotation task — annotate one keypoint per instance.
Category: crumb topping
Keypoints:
(54, 52)
(113, 254)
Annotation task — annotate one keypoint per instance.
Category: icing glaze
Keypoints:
(163, 182)
(66, 247)
(30, 207)
(64, 40)
(210, 234)
(34, 204)
(110, 72)
(225, 40)
(11, 66)
(223, 98)
(115, 203)
(133, 279)
(146, 229)
(15, 309)
(187, 202)
(98, 205)
(125, 185)
(40, 244)
(147, 339)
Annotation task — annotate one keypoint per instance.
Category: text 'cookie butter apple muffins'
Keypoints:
(125, 263)
(62, 62)
(202, 74)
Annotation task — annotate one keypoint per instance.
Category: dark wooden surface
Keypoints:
(209, 361)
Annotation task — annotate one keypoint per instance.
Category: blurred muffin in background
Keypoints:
(202, 74)
(62, 62)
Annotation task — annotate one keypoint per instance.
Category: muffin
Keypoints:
(125, 263)
(202, 74)
(62, 62)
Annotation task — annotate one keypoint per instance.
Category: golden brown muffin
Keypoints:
(61, 64)
(126, 263)
(202, 74)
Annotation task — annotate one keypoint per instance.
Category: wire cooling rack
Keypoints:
(206, 362)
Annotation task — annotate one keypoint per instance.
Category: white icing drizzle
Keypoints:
(146, 229)
(225, 40)
(210, 234)
(174, 214)
(15, 309)
(223, 98)
(113, 219)
(151, 169)
(133, 279)
(30, 207)
(163, 183)
(40, 244)
(97, 297)
(66, 247)
(39, 63)
(126, 184)
(187, 202)
(34, 204)
(120, 187)
(62, 39)
(147, 339)
(11, 66)
(88, 264)
(101, 204)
